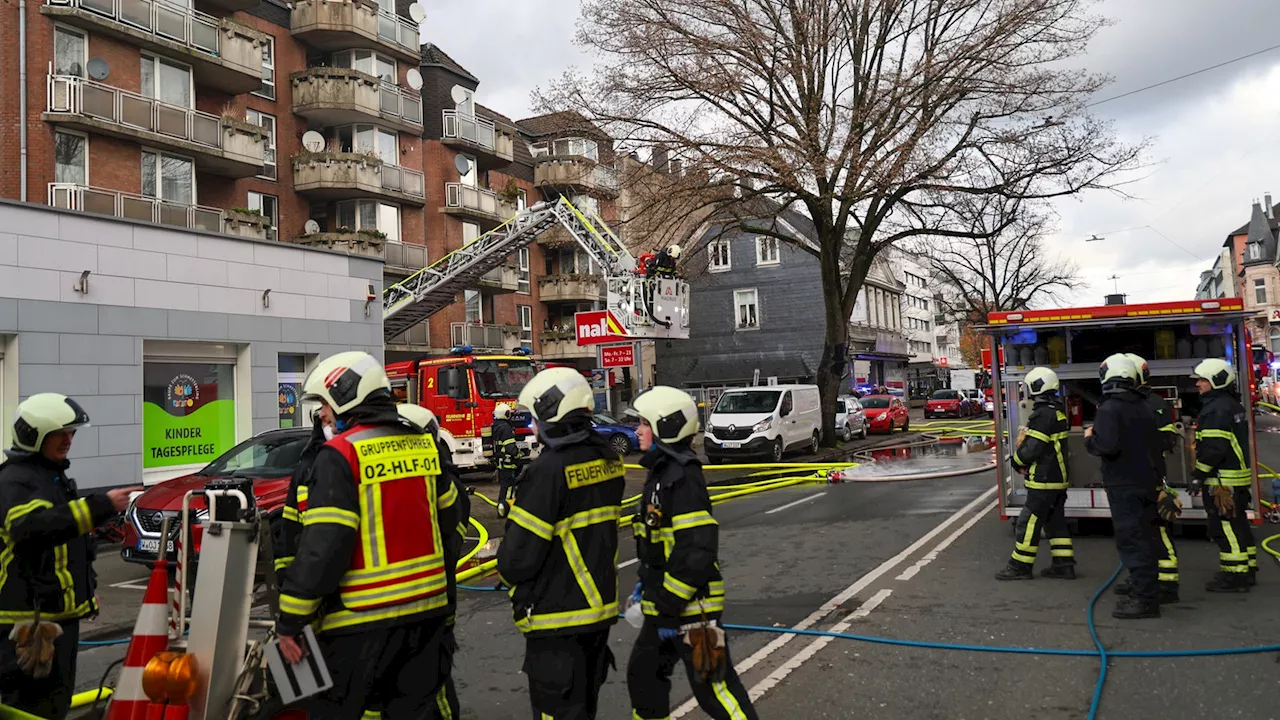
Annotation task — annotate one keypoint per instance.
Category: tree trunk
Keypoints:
(835, 355)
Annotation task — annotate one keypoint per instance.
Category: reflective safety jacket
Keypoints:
(677, 540)
(1165, 420)
(505, 450)
(46, 556)
(1043, 449)
(559, 552)
(1222, 441)
(379, 518)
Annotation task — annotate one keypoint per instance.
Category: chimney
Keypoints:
(1115, 299)
(660, 156)
(1267, 208)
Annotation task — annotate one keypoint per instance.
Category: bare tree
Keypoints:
(871, 117)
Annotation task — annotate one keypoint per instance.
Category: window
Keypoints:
(475, 313)
(167, 81)
(470, 232)
(468, 178)
(188, 412)
(1260, 291)
(168, 177)
(586, 202)
(268, 87)
(370, 215)
(522, 201)
(367, 61)
(71, 158)
(269, 157)
(748, 310)
(522, 258)
(270, 209)
(766, 250)
(468, 104)
(291, 372)
(718, 258)
(1254, 251)
(370, 138)
(526, 323)
(70, 52)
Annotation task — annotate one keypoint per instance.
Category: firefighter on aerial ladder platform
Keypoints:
(371, 563)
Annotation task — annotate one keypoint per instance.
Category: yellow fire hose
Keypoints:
(1266, 544)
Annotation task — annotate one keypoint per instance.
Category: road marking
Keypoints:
(846, 594)
(932, 554)
(629, 563)
(132, 584)
(795, 503)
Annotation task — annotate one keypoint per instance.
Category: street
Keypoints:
(909, 560)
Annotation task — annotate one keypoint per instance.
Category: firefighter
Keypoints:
(1222, 468)
(47, 581)
(559, 551)
(286, 532)
(681, 591)
(371, 563)
(1041, 455)
(1123, 435)
(665, 263)
(505, 454)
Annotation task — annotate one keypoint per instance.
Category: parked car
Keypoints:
(764, 421)
(621, 434)
(851, 419)
(885, 413)
(948, 403)
(990, 407)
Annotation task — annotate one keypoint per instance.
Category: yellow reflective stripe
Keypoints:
(394, 571)
(1168, 547)
(427, 585)
(1032, 532)
(303, 494)
(712, 604)
(688, 521)
(530, 522)
(449, 498)
(1033, 485)
(442, 703)
(1028, 559)
(18, 511)
(290, 513)
(586, 583)
(16, 616)
(348, 618)
(568, 619)
(84, 518)
(676, 587)
(1060, 541)
(587, 518)
(375, 540)
(1038, 435)
(64, 578)
(728, 701)
(1202, 467)
(1169, 428)
(1024, 547)
(1062, 552)
(298, 606)
(282, 563)
(1167, 564)
(333, 516)
(371, 715)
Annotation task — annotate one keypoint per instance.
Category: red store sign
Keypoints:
(612, 356)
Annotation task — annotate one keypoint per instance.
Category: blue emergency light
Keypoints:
(461, 350)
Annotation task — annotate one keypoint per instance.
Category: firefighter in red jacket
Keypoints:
(371, 563)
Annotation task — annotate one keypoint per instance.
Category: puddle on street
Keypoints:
(927, 459)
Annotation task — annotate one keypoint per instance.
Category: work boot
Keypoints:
(1015, 572)
(1128, 608)
(1228, 583)
(1253, 577)
(1124, 587)
(1060, 572)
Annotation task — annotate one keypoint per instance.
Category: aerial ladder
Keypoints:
(643, 307)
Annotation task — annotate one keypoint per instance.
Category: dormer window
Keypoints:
(1254, 251)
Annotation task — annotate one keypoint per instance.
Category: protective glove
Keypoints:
(637, 593)
(1169, 506)
(707, 645)
(1225, 499)
(33, 641)
(665, 634)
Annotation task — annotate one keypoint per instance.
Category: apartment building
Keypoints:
(927, 368)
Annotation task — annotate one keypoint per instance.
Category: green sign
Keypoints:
(188, 413)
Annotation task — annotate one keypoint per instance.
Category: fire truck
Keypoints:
(1173, 337)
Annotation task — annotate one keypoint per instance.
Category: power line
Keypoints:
(1183, 77)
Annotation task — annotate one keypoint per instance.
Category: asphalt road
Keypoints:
(907, 560)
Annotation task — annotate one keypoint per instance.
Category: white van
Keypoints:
(764, 421)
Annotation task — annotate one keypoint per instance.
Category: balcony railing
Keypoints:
(329, 172)
(461, 126)
(192, 28)
(400, 102)
(486, 337)
(78, 96)
(406, 255)
(398, 30)
(135, 207)
(606, 177)
(567, 147)
(403, 179)
(457, 195)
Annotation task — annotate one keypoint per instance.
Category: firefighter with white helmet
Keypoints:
(665, 263)
(371, 569)
(46, 519)
(559, 549)
(681, 590)
(1223, 471)
(1041, 455)
(1124, 436)
(505, 454)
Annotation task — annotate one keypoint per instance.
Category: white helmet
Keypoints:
(501, 411)
(41, 414)
(555, 392)
(346, 380)
(674, 251)
(1118, 369)
(418, 416)
(1144, 373)
(1217, 371)
(1041, 381)
(671, 413)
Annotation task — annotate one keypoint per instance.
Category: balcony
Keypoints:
(481, 338)
(502, 279)
(474, 203)
(564, 346)
(359, 242)
(343, 176)
(577, 173)
(134, 207)
(223, 146)
(332, 25)
(228, 6)
(405, 259)
(247, 224)
(556, 237)
(223, 54)
(493, 147)
(570, 288)
(339, 96)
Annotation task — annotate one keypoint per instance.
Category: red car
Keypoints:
(948, 403)
(268, 459)
(885, 413)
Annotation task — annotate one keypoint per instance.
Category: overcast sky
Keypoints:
(1215, 140)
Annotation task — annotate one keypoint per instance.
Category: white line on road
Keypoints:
(846, 594)
(794, 503)
(629, 563)
(132, 584)
(932, 554)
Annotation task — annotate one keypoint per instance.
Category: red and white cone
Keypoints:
(150, 636)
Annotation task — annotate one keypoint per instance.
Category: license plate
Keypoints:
(732, 445)
(153, 546)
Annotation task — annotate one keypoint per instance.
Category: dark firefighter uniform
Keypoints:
(382, 498)
(505, 453)
(677, 542)
(1222, 460)
(1166, 553)
(664, 265)
(1042, 455)
(559, 557)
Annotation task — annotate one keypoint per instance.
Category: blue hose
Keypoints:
(98, 643)
(1097, 642)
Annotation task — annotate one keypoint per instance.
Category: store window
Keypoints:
(291, 373)
(188, 412)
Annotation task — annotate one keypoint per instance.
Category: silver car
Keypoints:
(851, 419)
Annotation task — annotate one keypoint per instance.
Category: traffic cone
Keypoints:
(150, 636)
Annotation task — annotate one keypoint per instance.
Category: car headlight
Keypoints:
(763, 425)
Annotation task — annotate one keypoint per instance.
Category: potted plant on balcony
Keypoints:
(246, 223)
(510, 192)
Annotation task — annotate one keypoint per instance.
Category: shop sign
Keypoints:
(188, 413)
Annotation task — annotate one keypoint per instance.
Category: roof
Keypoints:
(433, 55)
(1274, 221)
(763, 208)
(558, 123)
(1262, 232)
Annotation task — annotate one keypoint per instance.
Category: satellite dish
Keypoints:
(417, 12)
(413, 77)
(463, 164)
(459, 94)
(98, 68)
(311, 227)
(313, 141)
